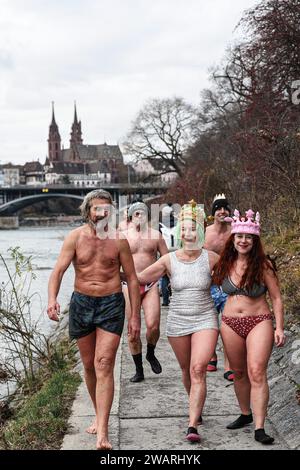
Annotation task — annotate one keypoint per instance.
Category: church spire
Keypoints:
(75, 114)
(54, 140)
(53, 116)
(76, 134)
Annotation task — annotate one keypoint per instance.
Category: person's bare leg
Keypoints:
(226, 361)
(86, 346)
(135, 345)
(259, 348)
(214, 358)
(105, 355)
(237, 354)
(151, 307)
(203, 344)
(181, 346)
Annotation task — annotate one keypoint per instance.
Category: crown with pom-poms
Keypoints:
(192, 211)
(247, 224)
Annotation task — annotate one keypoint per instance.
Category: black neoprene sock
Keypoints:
(241, 421)
(138, 363)
(139, 374)
(154, 363)
(262, 437)
(150, 350)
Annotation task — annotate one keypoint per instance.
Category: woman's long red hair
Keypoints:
(258, 261)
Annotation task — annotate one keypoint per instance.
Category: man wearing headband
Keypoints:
(144, 244)
(216, 237)
(97, 307)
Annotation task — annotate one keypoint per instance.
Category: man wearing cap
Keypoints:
(145, 243)
(216, 237)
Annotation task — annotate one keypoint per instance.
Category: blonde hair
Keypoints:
(86, 203)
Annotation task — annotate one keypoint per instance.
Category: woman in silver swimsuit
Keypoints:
(192, 326)
(245, 274)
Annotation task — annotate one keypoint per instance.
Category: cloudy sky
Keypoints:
(108, 55)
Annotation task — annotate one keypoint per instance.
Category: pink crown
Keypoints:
(245, 224)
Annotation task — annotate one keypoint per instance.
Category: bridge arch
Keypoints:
(10, 208)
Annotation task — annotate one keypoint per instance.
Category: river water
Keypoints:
(44, 245)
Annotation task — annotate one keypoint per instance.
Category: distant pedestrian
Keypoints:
(166, 227)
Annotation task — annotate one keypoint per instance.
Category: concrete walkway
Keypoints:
(153, 415)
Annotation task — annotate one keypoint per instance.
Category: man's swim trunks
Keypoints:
(143, 288)
(86, 313)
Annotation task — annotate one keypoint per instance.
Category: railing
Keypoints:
(29, 187)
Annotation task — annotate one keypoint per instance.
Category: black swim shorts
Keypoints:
(86, 313)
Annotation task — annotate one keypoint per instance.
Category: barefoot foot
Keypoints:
(92, 429)
(103, 444)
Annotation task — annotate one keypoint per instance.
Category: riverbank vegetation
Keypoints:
(284, 248)
(39, 417)
(37, 371)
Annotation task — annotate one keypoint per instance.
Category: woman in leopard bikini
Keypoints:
(246, 274)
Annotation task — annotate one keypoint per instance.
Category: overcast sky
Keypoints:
(108, 55)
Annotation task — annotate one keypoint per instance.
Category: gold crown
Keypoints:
(192, 211)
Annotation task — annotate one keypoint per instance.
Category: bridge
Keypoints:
(15, 198)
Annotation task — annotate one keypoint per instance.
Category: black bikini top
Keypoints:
(231, 289)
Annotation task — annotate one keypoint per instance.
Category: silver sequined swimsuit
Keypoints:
(191, 307)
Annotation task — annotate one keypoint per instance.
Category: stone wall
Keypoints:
(9, 223)
(284, 381)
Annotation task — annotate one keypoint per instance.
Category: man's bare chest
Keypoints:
(216, 242)
(97, 253)
(139, 244)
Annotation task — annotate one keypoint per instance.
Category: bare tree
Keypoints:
(161, 133)
(249, 132)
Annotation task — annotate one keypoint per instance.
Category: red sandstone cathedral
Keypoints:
(98, 163)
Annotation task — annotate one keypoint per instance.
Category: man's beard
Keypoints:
(100, 225)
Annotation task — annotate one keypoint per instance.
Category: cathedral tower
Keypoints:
(76, 134)
(54, 140)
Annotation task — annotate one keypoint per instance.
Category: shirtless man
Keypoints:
(216, 236)
(123, 225)
(97, 307)
(144, 244)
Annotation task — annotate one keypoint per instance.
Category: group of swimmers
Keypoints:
(221, 269)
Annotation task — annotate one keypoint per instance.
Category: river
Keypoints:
(43, 244)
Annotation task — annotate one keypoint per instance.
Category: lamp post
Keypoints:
(84, 173)
(128, 174)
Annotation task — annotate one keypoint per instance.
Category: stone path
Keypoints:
(153, 415)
